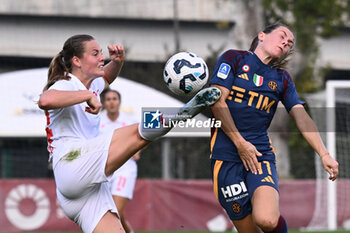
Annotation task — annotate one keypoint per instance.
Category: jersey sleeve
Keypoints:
(62, 85)
(223, 74)
(98, 84)
(290, 96)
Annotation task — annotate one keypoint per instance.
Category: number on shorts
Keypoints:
(268, 167)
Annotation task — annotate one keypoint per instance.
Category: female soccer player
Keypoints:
(243, 161)
(124, 179)
(82, 160)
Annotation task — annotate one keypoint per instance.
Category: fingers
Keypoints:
(248, 154)
(250, 164)
(116, 49)
(257, 153)
(333, 173)
(245, 165)
(331, 166)
(91, 110)
(254, 165)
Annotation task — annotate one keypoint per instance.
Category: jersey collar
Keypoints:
(258, 61)
(77, 81)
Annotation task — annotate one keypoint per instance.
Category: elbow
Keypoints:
(43, 103)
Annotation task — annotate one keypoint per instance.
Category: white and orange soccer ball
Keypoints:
(185, 73)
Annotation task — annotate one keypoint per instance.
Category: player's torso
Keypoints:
(254, 95)
(73, 122)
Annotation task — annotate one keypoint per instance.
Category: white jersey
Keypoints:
(123, 119)
(108, 125)
(123, 181)
(72, 124)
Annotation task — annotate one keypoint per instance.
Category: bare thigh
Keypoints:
(265, 202)
(125, 143)
(109, 223)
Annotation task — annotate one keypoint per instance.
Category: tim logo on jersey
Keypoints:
(152, 119)
(234, 192)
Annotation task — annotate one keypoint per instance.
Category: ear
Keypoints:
(261, 36)
(76, 61)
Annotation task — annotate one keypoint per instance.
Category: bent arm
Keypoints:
(309, 131)
(246, 150)
(52, 99)
(222, 113)
(113, 68)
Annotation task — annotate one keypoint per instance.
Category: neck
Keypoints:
(83, 78)
(113, 115)
(262, 55)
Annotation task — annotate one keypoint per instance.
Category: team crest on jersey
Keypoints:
(272, 85)
(224, 70)
(245, 68)
(258, 80)
(236, 208)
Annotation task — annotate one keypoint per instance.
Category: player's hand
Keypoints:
(94, 105)
(331, 166)
(136, 156)
(116, 53)
(248, 154)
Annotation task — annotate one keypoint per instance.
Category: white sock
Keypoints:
(152, 134)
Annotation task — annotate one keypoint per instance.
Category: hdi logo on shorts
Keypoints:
(234, 189)
(152, 119)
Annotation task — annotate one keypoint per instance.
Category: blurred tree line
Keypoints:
(311, 20)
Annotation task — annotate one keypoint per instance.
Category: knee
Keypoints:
(267, 223)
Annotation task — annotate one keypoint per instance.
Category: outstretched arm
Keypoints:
(309, 131)
(246, 150)
(112, 69)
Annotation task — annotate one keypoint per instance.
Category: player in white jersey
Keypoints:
(124, 179)
(83, 161)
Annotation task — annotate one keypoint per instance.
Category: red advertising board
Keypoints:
(31, 205)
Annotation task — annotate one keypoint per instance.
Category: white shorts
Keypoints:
(82, 188)
(124, 179)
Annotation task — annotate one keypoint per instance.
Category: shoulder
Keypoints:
(284, 75)
(98, 81)
(98, 84)
(233, 57)
(233, 54)
(63, 84)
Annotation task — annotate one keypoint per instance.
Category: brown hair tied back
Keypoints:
(61, 64)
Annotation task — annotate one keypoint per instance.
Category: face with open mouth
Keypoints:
(92, 61)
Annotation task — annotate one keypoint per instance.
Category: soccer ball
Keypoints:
(185, 73)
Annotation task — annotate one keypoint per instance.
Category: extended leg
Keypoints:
(128, 140)
(198, 103)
